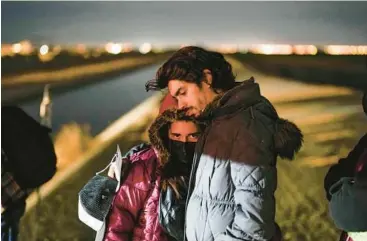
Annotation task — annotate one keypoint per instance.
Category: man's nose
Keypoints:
(181, 105)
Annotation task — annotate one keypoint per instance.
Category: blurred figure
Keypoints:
(234, 173)
(12, 202)
(27, 161)
(166, 165)
(346, 189)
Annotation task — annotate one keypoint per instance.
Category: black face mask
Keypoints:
(182, 152)
(181, 158)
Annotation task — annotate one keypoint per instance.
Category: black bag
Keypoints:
(28, 147)
(96, 197)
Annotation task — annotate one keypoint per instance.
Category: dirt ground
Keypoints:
(332, 122)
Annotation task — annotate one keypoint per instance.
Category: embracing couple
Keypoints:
(209, 171)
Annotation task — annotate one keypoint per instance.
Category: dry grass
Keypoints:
(71, 142)
(347, 71)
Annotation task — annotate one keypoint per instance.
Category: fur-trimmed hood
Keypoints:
(158, 132)
(287, 137)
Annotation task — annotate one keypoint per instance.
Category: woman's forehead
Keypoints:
(183, 126)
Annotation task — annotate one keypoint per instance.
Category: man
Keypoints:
(234, 177)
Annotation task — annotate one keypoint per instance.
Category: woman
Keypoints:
(346, 188)
(157, 170)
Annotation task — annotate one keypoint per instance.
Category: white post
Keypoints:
(46, 107)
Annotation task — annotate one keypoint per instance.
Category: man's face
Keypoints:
(190, 96)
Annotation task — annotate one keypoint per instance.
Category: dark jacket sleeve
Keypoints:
(346, 167)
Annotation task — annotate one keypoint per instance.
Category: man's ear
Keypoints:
(208, 78)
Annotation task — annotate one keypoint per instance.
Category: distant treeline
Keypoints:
(342, 70)
(19, 64)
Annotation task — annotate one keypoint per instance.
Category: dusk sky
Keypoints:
(185, 22)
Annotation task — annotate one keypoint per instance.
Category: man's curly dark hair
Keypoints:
(188, 64)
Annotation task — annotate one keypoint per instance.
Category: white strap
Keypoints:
(109, 164)
(116, 165)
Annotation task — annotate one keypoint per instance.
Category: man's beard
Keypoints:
(193, 112)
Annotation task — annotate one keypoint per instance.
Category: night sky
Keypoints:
(185, 22)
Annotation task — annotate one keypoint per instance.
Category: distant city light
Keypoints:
(57, 49)
(228, 48)
(44, 49)
(16, 48)
(113, 48)
(127, 47)
(346, 50)
(145, 48)
(304, 49)
(269, 49)
(311, 49)
(25, 47)
(299, 50)
(6, 50)
(80, 49)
